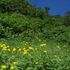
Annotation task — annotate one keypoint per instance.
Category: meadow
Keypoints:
(31, 39)
(37, 54)
(33, 44)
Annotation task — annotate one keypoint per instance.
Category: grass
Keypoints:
(33, 41)
(37, 54)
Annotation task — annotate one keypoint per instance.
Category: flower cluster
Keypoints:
(14, 53)
(17, 58)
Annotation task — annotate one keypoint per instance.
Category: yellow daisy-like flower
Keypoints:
(3, 45)
(19, 49)
(31, 48)
(3, 66)
(24, 48)
(12, 67)
(14, 49)
(4, 48)
(42, 45)
(45, 51)
(25, 51)
(36, 62)
(8, 49)
(14, 62)
(7, 46)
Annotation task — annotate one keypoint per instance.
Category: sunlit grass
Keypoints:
(30, 56)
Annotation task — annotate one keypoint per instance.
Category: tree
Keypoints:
(47, 11)
(23, 7)
(67, 13)
(67, 18)
(13, 5)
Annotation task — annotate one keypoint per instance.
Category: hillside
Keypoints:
(31, 39)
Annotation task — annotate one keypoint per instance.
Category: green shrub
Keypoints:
(18, 25)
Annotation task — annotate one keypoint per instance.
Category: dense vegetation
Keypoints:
(44, 40)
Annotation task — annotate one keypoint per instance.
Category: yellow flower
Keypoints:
(9, 49)
(11, 67)
(14, 62)
(42, 45)
(7, 46)
(36, 62)
(3, 66)
(24, 48)
(3, 45)
(31, 48)
(45, 51)
(14, 49)
(58, 46)
(4, 48)
(25, 51)
(19, 49)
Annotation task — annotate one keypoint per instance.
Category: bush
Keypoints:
(16, 24)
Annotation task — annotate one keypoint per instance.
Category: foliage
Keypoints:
(18, 25)
(30, 56)
(31, 39)
(21, 6)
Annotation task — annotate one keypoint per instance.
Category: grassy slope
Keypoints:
(57, 43)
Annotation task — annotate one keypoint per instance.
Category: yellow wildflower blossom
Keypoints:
(19, 49)
(11, 67)
(14, 62)
(31, 48)
(7, 46)
(3, 66)
(25, 51)
(36, 62)
(45, 51)
(8, 49)
(14, 49)
(24, 48)
(42, 45)
(3, 45)
(4, 48)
